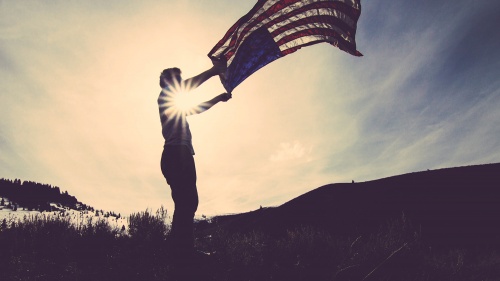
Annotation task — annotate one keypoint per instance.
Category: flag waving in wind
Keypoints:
(276, 28)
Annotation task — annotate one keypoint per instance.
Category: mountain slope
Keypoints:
(452, 206)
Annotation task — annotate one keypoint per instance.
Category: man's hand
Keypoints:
(219, 66)
(225, 97)
(208, 104)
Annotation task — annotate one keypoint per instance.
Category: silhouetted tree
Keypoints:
(2, 203)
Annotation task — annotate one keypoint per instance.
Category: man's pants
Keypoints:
(177, 165)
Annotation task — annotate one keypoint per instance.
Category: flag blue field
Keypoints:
(276, 28)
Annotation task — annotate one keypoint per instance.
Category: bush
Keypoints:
(145, 226)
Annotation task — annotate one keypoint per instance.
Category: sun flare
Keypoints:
(184, 102)
(177, 101)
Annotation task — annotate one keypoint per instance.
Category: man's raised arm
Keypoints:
(199, 79)
(208, 104)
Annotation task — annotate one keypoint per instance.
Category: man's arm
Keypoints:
(204, 106)
(199, 79)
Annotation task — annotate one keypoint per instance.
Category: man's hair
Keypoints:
(168, 74)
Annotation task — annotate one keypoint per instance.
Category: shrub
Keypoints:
(146, 226)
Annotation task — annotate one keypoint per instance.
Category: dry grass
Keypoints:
(52, 248)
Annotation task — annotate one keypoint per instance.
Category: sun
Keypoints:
(184, 102)
(177, 101)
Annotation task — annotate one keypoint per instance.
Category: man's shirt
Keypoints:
(175, 128)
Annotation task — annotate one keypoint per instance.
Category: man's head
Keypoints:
(170, 76)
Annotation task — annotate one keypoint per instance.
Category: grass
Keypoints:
(54, 248)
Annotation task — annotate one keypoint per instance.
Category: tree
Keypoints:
(2, 203)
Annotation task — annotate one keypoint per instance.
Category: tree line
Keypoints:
(37, 196)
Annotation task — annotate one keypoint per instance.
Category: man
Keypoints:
(177, 162)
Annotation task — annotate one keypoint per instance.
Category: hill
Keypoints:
(37, 196)
(19, 198)
(452, 206)
(25, 199)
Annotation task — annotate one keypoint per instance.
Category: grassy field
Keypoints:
(54, 248)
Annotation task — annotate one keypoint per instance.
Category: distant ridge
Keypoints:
(452, 206)
(37, 196)
(18, 198)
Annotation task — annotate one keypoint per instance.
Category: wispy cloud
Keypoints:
(290, 151)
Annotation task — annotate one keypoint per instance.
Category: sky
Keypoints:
(79, 89)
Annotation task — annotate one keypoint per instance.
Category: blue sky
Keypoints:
(79, 83)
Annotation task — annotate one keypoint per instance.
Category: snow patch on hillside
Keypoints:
(75, 216)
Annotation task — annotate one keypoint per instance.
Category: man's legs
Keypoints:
(179, 169)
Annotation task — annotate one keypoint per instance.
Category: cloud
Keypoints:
(413, 107)
(290, 151)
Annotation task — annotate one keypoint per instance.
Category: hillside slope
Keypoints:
(451, 206)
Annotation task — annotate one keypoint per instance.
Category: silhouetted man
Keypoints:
(177, 162)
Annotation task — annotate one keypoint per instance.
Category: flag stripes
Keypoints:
(293, 24)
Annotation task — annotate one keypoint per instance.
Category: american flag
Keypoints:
(276, 28)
